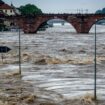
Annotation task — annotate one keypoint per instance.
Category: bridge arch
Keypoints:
(52, 18)
(95, 21)
(82, 23)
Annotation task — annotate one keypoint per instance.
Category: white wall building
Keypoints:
(8, 10)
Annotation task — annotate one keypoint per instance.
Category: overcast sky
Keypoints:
(62, 6)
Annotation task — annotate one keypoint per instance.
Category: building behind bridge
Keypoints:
(7, 10)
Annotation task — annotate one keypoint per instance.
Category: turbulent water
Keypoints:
(58, 61)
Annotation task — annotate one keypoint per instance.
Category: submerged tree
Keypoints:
(30, 9)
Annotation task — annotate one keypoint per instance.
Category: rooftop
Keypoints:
(4, 6)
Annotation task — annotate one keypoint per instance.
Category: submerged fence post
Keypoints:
(19, 52)
(95, 66)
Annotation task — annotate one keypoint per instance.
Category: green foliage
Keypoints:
(100, 11)
(1, 2)
(103, 10)
(30, 9)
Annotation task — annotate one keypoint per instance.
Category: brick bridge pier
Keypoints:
(82, 23)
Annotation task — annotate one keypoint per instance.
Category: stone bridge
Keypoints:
(81, 22)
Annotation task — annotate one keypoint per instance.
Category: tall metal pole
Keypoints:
(19, 53)
(95, 67)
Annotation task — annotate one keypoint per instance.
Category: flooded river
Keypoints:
(58, 62)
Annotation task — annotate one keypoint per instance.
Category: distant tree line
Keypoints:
(102, 11)
(29, 9)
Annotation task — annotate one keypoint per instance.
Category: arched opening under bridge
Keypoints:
(100, 26)
(56, 25)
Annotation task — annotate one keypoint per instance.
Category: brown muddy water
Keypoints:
(57, 65)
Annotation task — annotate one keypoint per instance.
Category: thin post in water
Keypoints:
(95, 67)
(19, 52)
